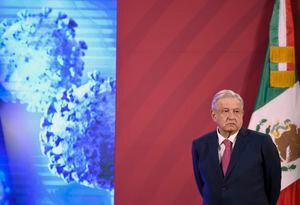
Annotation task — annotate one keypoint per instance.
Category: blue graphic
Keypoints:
(78, 133)
(40, 56)
(5, 190)
(57, 97)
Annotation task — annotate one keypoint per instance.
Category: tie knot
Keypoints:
(227, 143)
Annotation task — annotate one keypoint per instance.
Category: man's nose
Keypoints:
(231, 114)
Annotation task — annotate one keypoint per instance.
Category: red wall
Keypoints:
(172, 56)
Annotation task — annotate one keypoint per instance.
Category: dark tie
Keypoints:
(226, 155)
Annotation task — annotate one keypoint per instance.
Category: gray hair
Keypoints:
(225, 94)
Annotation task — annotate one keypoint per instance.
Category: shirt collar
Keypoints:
(232, 138)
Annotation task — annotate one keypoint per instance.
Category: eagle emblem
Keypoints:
(286, 136)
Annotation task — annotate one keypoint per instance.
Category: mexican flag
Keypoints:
(277, 109)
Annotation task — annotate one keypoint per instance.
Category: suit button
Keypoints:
(224, 188)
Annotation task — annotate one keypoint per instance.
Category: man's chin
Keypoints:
(232, 129)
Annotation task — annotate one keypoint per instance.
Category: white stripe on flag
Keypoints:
(282, 66)
(282, 24)
(282, 31)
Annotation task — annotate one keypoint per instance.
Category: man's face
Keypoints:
(228, 115)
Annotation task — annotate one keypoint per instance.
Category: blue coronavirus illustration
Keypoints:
(77, 133)
(39, 56)
(42, 65)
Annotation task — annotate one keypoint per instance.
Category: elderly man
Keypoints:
(234, 165)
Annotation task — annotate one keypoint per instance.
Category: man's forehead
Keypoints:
(229, 101)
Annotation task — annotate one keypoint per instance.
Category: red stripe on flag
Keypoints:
(289, 25)
(290, 195)
(289, 30)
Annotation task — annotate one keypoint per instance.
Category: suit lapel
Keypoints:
(239, 147)
(215, 155)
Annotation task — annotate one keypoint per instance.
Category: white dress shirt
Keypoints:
(221, 149)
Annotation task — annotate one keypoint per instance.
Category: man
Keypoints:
(234, 165)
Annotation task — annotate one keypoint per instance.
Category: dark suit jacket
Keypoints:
(253, 176)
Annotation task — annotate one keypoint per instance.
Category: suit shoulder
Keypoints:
(256, 135)
(204, 138)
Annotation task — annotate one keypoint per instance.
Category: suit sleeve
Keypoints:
(198, 179)
(272, 170)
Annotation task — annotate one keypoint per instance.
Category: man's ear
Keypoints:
(213, 115)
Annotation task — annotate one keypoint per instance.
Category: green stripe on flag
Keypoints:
(274, 25)
(274, 31)
(274, 66)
